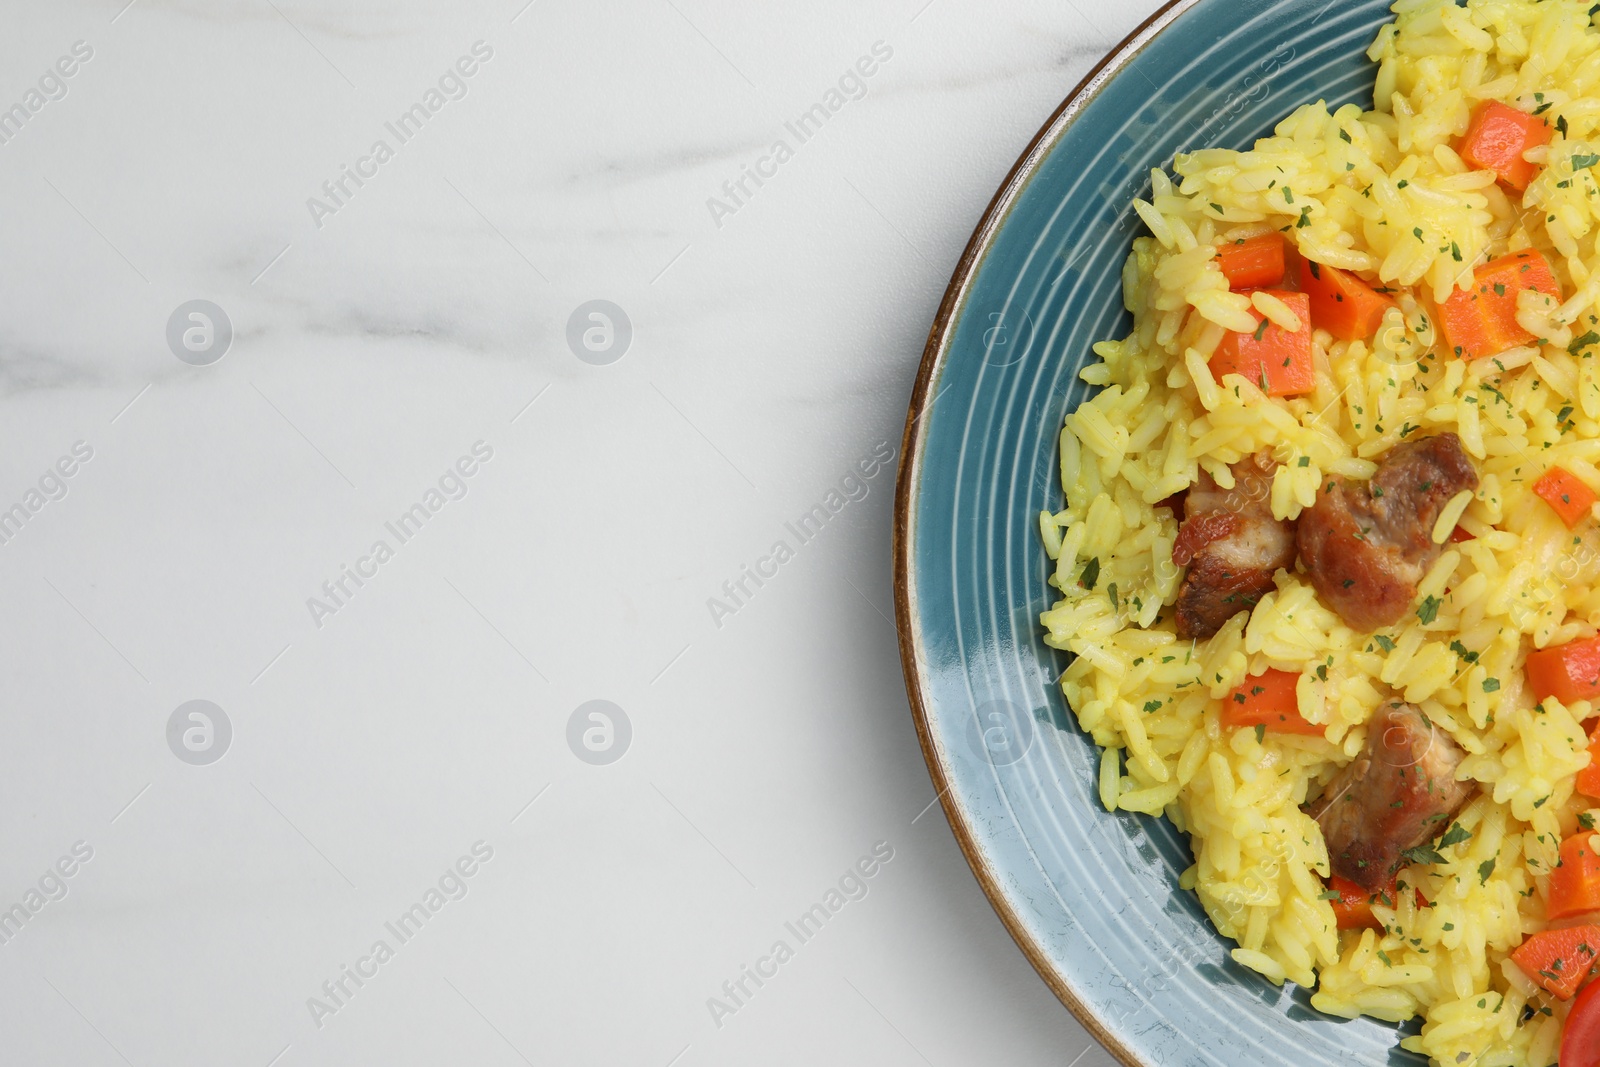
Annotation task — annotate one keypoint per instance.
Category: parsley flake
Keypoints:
(1428, 610)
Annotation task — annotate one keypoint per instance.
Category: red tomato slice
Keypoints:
(1580, 1045)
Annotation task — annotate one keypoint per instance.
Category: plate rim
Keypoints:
(907, 491)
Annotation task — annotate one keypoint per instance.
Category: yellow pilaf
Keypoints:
(1384, 193)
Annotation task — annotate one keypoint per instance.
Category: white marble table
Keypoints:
(393, 723)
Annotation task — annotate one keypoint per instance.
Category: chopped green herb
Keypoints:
(1428, 610)
(1422, 854)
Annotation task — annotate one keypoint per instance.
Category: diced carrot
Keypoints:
(1341, 303)
(1568, 672)
(1254, 263)
(1273, 358)
(1353, 908)
(1589, 777)
(1482, 321)
(1460, 534)
(1568, 495)
(1267, 700)
(1575, 884)
(1497, 138)
(1559, 960)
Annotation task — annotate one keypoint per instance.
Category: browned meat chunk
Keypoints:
(1398, 794)
(1367, 545)
(1232, 546)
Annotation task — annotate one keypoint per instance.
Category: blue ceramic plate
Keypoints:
(1091, 897)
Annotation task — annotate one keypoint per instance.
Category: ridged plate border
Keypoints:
(1092, 898)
